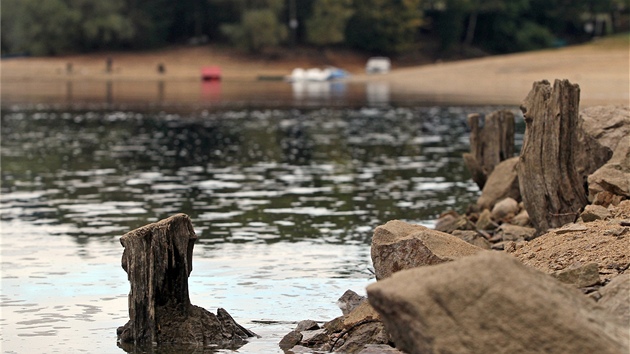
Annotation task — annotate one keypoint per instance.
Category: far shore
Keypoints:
(601, 68)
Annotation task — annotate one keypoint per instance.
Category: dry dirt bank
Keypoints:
(601, 70)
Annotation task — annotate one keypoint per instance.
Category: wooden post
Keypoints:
(158, 261)
(550, 185)
(490, 144)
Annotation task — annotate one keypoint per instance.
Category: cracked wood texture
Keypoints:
(490, 143)
(158, 262)
(551, 187)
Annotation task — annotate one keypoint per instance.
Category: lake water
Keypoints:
(284, 186)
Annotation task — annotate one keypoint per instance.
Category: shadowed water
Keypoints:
(284, 202)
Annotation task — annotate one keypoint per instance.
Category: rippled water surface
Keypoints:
(284, 202)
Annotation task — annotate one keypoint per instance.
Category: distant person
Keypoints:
(161, 68)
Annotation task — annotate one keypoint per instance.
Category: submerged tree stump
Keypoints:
(489, 144)
(551, 188)
(158, 261)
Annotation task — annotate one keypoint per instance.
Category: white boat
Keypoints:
(313, 74)
(316, 74)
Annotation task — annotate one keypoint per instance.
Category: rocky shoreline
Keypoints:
(493, 280)
(538, 264)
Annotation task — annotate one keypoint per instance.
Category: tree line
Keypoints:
(54, 27)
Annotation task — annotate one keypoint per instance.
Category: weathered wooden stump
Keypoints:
(551, 188)
(158, 261)
(489, 144)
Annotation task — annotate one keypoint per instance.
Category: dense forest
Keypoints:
(55, 27)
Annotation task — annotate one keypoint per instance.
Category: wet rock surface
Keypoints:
(359, 330)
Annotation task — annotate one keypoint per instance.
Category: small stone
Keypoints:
(450, 221)
(379, 349)
(484, 222)
(334, 325)
(299, 349)
(617, 232)
(499, 246)
(306, 325)
(290, 340)
(571, 228)
(349, 301)
(605, 198)
(506, 208)
(510, 247)
(473, 238)
(580, 276)
(362, 334)
(521, 219)
(594, 212)
(314, 338)
(510, 232)
(363, 312)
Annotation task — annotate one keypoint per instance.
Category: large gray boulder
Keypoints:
(399, 245)
(491, 303)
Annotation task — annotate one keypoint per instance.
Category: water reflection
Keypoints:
(320, 90)
(284, 202)
(211, 90)
(109, 92)
(377, 92)
(189, 94)
(160, 91)
(69, 91)
(280, 173)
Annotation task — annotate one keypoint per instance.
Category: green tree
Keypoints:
(494, 25)
(506, 27)
(101, 24)
(567, 18)
(384, 26)
(259, 27)
(152, 21)
(327, 24)
(60, 26)
(44, 27)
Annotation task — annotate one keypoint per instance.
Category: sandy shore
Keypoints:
(602, 72)
(600, 68)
